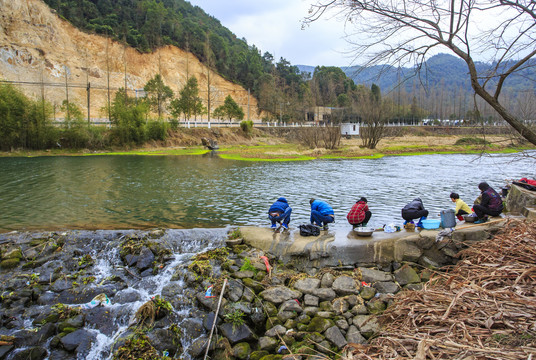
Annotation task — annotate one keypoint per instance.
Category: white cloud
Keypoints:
(275, 26)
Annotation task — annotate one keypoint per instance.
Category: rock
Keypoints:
(367, 292)
(367, 325)
(105, 320)
(12, 254)
(164, 339)
(193, 327)
(386, 287)
(9, 263)
(257, 316)
(256, 286)
(286, 315)
(276, 330)
(267, 344)
(345, 285)
(413, 286)
(311, 310)
(310, 300)
(72, 341)
(291, 305)
(319, 325)
(248, 295)
(233, 242)
(236, 334)
(426, 274)
(34, 353)
(325, 294)
(428, 263)
(47, 298)
(198, 347)
(406, 275)
(342, 324)
(270, 309)
(327, 280)
(241, 350)
(279, 294)
(354, 336)
(376, 306)
(73, 322)
(131, 259)
(209, 303)
(147, 272)
(61, 285)
(340, 306)
(372, 275)
(334, 335)
(303, 319)
(243, 274)
(325, 314)
(307, 285)
(4, 350)
(146, 259)
(257, 355)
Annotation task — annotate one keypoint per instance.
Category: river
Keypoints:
(124, 192)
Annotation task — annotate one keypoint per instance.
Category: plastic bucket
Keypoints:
(448, 220)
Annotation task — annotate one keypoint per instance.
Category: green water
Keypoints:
(120, 192)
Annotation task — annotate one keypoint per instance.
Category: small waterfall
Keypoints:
(183, 243)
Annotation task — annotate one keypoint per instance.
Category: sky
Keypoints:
(275, 26)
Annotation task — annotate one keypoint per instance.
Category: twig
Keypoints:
(215, 318)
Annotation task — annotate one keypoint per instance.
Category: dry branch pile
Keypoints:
(483, 308)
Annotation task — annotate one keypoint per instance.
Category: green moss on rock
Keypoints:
(9, 263)
(257, 355)
(319, 325)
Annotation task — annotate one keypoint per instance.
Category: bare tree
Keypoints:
(374, 112)
(405, 31)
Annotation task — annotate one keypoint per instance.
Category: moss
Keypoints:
(319, 325)
(220, 254)
(9, 263)
(201, 268)
(257, 355)
(238, 249)
(272, 357)
(241, 350)
(139, 348)
(13, 254)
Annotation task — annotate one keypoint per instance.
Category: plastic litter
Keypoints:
(283, 347)
(208, 293)
(391, 228)
(99, 300)
(363, 283)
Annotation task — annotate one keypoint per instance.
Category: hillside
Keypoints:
(39, 49)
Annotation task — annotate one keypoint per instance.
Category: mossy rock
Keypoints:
(68, 330)
(304, 319)
(12, 254)
(238, 249)
(256, 286)
(52, 318)
(289, 340)
(301, 327)
(367, 292)
(319, 325)
(270, 309)
(241, 350)
(260, 275)
(376, 306)
(29, 265)
(325, 306)
(272, 357)
(290, 323)
(9, 263)
(257, 355)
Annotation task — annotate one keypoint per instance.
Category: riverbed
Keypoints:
(131, 192)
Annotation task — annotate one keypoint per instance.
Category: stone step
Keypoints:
(529, 212)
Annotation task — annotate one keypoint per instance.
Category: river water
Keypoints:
(124, 192)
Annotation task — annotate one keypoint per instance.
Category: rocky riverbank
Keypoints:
(155, 295)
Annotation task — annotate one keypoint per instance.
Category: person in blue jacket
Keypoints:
(280, 212)
(321, 213)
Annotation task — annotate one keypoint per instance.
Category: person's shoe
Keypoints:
(325, 227)
(274, 226)
(405, 222)
(419, 224)
(481, 221)
(285, 226)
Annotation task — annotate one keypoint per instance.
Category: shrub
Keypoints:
(246, 126)
(472, 141)
(156, 130)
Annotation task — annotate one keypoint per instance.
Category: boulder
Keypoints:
(72, 341)
(276, 330)
(241, 350)
(243, 274)
(267, 344)
(340, 306)
(236, 334)
(235, 289)
(367, 292)
(146, 259)
(367, 324)
(33, 353)
(208, 321)
(345, 285)
(291, 305)
(327, 280)
(325, 294)
(373, 275)
(319, 325)
(406, 275)
(307, 285)
(354, 336)
(164, 339)
(256, 286)
(310, 300)
(334, 335)
(279, 294)
(386, 287)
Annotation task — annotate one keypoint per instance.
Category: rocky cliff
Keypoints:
(42, 53)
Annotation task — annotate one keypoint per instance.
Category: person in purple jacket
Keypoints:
(321, 213)
(280, 212)
(491, 203)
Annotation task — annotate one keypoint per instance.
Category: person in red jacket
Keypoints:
(359, 215)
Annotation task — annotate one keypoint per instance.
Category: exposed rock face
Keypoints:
(38, 46)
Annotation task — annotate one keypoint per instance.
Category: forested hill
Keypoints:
(443, 70)
(148, 24)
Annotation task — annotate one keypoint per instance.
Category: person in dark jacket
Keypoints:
(414, 210)
(280, 212)
(491, 203)
(360, 214)
(321, 213)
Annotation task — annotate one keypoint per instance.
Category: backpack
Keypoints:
(309, 230)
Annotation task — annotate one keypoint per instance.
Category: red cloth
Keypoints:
(357, 213)
(528, 181)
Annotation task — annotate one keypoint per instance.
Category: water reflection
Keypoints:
(205, 191)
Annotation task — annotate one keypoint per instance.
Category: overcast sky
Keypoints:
(275, 26)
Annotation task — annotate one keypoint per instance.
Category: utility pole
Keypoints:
(67, 93)
(88, 104)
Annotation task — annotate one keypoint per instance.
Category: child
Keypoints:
(461, 207)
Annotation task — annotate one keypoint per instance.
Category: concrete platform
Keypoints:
(345, 248)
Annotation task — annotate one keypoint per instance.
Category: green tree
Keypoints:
(157, 93)
(128, 119)
(229, 110)
(189, 103)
